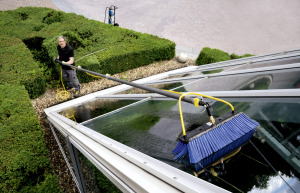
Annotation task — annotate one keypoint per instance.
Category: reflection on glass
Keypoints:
(278, 139)
(284, 80)
(212, 71)
(277, 184)
(185, 75)
(94, 109)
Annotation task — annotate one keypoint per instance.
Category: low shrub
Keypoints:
(24, 166)
(209, 55)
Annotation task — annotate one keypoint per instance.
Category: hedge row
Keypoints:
(122, 49)
(209, 55)
(18, 67)
(24, 166)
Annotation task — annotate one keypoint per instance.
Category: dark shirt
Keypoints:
(65, 54)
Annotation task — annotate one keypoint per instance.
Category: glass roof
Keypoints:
(152, 125)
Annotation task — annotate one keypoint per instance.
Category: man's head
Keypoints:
(61, 40)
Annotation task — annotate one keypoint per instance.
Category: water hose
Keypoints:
(212, 120)
(62, 94)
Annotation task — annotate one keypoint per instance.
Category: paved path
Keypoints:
(239, 26)
(14, 4)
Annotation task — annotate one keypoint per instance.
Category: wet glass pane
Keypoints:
(185, 75)
(94, 108)
(244, 66)
(285, 80)
(152, 127)
(290, 60)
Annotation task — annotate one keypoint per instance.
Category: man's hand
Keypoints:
(56, 60)
(65, 63)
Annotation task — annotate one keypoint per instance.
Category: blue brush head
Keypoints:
(207, 144)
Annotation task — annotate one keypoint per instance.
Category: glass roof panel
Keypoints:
(290, 60)
(152, 127)
(240, 66)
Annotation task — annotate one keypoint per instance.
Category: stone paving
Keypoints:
(256, 26)
(14, 4)
(235, 26)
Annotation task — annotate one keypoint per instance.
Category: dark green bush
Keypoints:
(24, 164)
(234, 56)
(208, 55)
(18, 66)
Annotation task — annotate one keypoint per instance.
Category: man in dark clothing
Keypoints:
(66, 55)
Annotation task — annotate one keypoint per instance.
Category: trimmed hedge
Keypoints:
(41, 26)
(18, 67)
(24, 166)
(209, 55)
(125, 49)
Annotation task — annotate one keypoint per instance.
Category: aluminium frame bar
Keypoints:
(252, 60)
(242, 61)
(270, 93)
(257, 71)
(76, 165)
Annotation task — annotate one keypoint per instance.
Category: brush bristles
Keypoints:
(213, 145)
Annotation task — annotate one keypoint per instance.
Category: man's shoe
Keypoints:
(77, 92)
